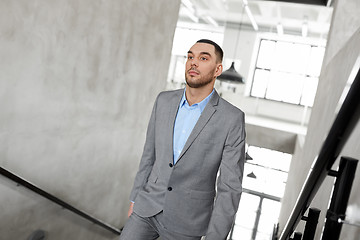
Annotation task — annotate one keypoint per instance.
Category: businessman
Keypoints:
(189, 180)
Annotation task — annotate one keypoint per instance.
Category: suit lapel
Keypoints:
(201, 123)
(173, 109)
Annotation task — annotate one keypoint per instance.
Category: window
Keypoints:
(287, 71)
(264, 184)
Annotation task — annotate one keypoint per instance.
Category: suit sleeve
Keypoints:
(229, 183)
(148, 157)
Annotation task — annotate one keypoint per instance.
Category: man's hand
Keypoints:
(130, 209)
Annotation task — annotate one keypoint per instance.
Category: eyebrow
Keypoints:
(201, 53)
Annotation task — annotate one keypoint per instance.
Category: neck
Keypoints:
(196, 95)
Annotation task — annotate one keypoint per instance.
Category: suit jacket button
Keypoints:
(170, 188)
(171, 165)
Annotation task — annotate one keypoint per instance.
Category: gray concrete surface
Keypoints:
(77, 83)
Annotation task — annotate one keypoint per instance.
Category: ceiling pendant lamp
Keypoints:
(231, 75)
(248, 157)
(251, 175)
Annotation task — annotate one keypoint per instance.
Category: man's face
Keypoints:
(201, 67)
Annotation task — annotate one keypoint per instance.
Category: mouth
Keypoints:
(193, 72)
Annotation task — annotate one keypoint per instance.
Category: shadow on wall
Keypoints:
(37, 235)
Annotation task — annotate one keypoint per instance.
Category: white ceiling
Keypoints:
(267, 14)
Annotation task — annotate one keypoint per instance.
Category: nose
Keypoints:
(194, 62)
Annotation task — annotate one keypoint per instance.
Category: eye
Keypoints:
(190, 57)
(203, 58)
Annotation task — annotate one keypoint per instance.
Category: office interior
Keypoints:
(78, 81)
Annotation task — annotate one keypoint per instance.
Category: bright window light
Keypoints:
(309, 91)
(287, 71)
(315, 61)
(185, 37)
(261, 197)
(265, 58)
(260, 82)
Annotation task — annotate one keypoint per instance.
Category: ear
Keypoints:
(219, 69)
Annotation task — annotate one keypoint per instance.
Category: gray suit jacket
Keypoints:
(185, 192)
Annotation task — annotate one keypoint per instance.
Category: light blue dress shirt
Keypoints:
(186, 119)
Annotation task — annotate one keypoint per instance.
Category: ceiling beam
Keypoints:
(311, 2)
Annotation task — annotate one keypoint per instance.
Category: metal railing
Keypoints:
(340, 131)
(56, 200)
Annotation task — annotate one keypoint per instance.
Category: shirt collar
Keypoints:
(201, 104)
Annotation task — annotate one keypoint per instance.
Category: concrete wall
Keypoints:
(77, 83)
(342, 52)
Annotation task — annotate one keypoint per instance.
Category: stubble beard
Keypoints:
(198, 83)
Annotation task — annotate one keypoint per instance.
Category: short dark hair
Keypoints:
(218, 51)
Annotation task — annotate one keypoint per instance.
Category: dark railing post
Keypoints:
(275, 232)
(311, 223)
(297, 236)
(340, 198)
(345, 122)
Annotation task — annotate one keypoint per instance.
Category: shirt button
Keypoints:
(169, 188)
(171, 165)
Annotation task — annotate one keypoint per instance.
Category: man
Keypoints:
(192, 134)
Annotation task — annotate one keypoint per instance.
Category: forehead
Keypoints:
(202, 47)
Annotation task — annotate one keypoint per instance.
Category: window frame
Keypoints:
(313, 43)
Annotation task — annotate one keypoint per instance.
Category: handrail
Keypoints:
(340, 131)
(56, 200)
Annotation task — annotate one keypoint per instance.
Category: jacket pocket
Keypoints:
(153, 177)
(202, 194)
